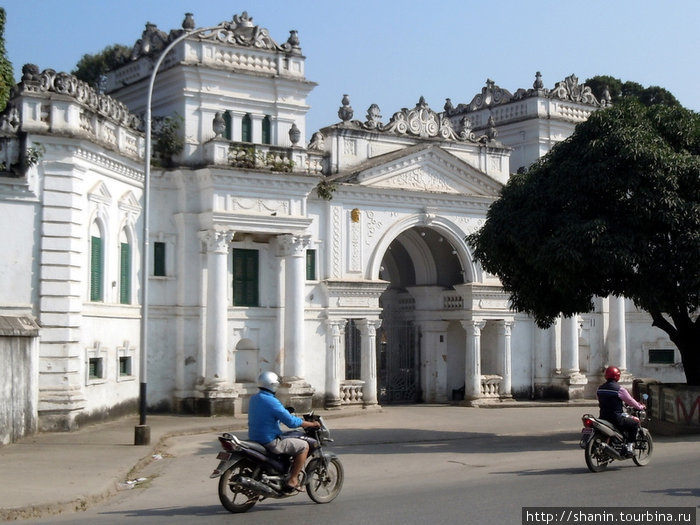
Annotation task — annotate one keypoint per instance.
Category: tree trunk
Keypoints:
(686, 336)
(689, 346)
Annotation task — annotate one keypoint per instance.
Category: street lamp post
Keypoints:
(142, 432)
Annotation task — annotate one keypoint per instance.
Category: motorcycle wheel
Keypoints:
(643, 448)
(596, 459)
(234, 497)
(323, 483)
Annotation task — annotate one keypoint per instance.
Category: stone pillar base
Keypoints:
(218, 400)
(570, 386)
(297, 393)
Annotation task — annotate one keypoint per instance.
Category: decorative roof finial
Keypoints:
(219, 125)
(345, 112)
(294, 134)
(538, 84)
(188, 23)
(448, 105)
(492, 132)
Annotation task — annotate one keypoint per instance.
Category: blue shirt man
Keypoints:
(265, 413)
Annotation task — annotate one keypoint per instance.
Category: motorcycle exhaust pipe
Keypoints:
(255, 485)
(612, 452)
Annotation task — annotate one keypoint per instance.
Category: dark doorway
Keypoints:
(398, 373)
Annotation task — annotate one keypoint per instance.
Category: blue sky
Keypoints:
(391, 52)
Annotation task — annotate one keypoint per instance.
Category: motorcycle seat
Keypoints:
(255, 446)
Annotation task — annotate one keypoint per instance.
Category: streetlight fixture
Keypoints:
(142, 432)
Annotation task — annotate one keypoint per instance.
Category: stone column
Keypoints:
(617, 337)
(294, 390)
(570, 378)
(472, 362)
(293, 249)
(368, 366)
(504, 331)
(569, 345)
(217, 388)
(333, 363)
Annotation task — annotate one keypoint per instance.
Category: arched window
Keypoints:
(247, 129)
(228, 132)
(96, 264)
(267, 130)
(124, 268)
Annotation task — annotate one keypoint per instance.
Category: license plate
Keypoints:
(223, 456)
(586, 431)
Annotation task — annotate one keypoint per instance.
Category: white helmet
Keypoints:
(269, 381)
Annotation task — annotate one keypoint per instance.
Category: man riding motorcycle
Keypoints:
(265, 413)
(611, 397)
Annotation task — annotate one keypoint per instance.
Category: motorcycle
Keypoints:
(603, 443)
(248, 473)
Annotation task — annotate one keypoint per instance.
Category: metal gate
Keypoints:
(398, 373)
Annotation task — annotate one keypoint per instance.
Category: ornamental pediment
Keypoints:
(429, 169)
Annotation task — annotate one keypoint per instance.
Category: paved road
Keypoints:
(435, 470)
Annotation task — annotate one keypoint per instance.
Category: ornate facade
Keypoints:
(341, 265)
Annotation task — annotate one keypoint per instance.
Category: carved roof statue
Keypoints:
(569, 89)
(492, 95)
(240, 32)
(421, 121)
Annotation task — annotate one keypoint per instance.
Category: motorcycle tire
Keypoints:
(643, 448)
(323, 483)
(234, 497)
(596, 459)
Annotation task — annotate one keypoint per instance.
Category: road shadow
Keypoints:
(410, 440)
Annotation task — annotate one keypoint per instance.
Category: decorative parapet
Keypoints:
(223, 152)
(574, 102)
(78, 111)
(491, 386)
(239, 45)
(421, 122)
(351, 392)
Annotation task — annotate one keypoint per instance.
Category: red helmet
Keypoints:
(612, 372)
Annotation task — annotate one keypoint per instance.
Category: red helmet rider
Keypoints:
(612, 372)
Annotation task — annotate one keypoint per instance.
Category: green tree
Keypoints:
(612, 210)
(7, 79)
(619, 89)
(91, 67)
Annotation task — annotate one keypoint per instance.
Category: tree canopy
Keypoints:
(618, 90)
(612, 210)
(91, 67)
(7, 79)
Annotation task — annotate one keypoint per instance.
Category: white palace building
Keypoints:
(340, 264)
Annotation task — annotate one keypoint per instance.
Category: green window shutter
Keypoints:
(159, 259)
(247, 129)
(310, 265)
(266, 130)
(245, 277)
(125, 274)
(228, 133)
(96, 269)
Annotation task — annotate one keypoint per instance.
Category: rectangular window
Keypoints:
(95, 368)
(124, 366)
(247, 129)
(661, 356)
(125, 274)
(96, 269)
(353, 351)
(159, 259)
(245, 277)
(310, 265)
